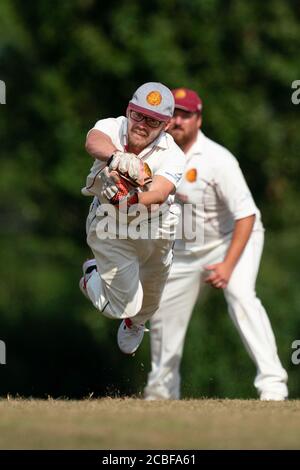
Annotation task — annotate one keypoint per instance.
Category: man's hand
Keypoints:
(117, 190)
(220, 275)
(128, 164)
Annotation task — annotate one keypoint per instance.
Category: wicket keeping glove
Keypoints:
(128, 164)
(117, 190)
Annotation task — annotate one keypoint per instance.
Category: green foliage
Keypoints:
(67, 64)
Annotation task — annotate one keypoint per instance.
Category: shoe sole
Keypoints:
(132, 351)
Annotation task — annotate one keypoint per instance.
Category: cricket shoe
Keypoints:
(271, 396)
(87, 268)
(130, 336)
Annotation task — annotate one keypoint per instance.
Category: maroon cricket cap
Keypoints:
(188, 100)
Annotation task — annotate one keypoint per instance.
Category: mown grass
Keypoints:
(113, 423)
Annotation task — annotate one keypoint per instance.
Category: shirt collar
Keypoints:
(124, 133)
(161, 141)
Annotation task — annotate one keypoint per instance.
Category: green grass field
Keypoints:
(130, 423)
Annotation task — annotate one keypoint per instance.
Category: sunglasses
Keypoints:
(138, 117)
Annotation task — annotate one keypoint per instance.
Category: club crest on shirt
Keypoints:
(154, 98)
(191, 175)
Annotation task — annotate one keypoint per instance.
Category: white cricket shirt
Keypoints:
(218, 194)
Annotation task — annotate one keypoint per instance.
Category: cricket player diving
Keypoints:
(228, 258)
(137, 168)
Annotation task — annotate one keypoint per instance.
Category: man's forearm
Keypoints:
(99, 145)
(158, 193)
(241, 233)
(149, 198)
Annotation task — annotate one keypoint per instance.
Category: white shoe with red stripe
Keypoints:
(87, 269)
(130, 336)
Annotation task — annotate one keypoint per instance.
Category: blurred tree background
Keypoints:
(67, 64)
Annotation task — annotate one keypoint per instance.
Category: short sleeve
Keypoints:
(173, 165)
(111, 127)
(174, 176)
(233, 189)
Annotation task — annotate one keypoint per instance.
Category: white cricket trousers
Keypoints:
(130, 276)
(169, 324)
